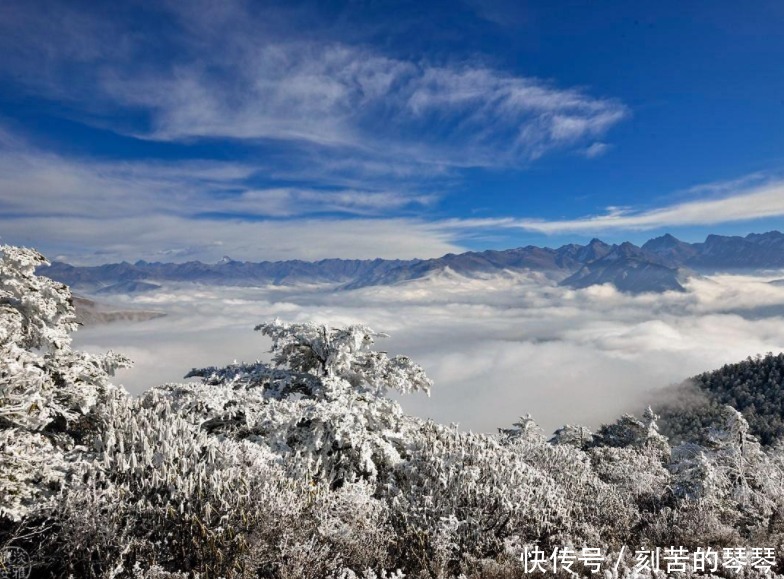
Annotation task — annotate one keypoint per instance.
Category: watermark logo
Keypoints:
(15, 563)
(647, 562)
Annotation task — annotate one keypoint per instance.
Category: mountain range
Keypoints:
(661, 264)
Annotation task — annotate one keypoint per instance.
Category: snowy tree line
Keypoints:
(753, 386)
(304, 468)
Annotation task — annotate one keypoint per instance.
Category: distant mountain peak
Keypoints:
(770, 236)
(666, 240)
(671, 250)
(629, 247)
(596, 249)
(661, 264)
(625, 250)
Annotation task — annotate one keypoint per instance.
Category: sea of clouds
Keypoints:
(497, 348)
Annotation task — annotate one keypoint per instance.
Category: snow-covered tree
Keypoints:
(731, 476)
(526, 428)
(47, 390)
(632, 457)
(42, 379)
(324, 401)
(631, 432)
(343, 353)
(574, 435)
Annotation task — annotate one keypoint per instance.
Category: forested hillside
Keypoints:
(754, 386)
(306, 468)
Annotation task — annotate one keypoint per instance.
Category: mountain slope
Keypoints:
(631, 270)
(90, 313)
(671, 250)
(755, 387)
(756, 250)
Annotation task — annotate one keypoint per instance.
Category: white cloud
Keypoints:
(173, 238)
(497, 348)
(596, 150)
(228, 73)
(764, 201)
(345, 96)
(33, 182)
(202, 209)
(91, 211)
(287, 201)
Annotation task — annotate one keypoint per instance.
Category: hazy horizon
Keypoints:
(578, 241)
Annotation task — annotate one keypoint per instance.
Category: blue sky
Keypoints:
(262, 130)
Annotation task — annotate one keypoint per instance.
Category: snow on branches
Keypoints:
(343, 353)
(44, 384)
(324, 402)
(304, 468)
(41, 378)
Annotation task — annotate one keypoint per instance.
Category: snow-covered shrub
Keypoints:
(162, 491)
(355, 524)
(463, 494)
(304, 468)
(598, 512)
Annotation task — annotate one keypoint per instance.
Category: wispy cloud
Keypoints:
(597, 149)
(288, 202)
(227, 74)
(761, 202)
(93, 211)
(177, 239)
(343, 96)
(39, 183)
(333, 133)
